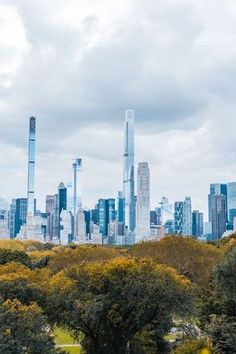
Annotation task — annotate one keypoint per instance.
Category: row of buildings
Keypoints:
(124, 220)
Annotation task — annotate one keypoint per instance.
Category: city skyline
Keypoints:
(107, 65)
(41, 198)
(127, 220)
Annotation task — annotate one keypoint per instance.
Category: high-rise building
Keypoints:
(153, 217)
(143, 203)
(120, 208)
(197, 223)
(77, 198)
(218, 189)
(20, 214)
(128, 171)
(52, 210)
(12, 218)
(166, 210)
(183, 217)
(187, 217)
(95, 215)
(231, 201)
(106, 209)
(66, 227)
(179, 210)
(207, 230)
(31, 169)
(62, 197)
(4, 229)
(115, 233)
(217, 215)
(80, 232)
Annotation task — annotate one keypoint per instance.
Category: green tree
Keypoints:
(7, 256)
(24, 329)
(188, 256)
(198, 346)
(218, 311)
(111, 302)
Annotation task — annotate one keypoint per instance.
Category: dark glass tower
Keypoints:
(106, 209)
(62, 196)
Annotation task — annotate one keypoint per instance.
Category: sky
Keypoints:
(77, 65)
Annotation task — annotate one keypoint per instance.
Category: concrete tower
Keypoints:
(143, 203)
(128, 171)
(31, 170)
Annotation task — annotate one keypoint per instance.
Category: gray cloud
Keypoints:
(173, 62)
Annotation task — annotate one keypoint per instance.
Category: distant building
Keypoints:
(183, 217)
(218, 189)
(121, 207)
(153, 217)
(4, 229)
(166, 210)
(197, 222)
(20, 214)
(157, 232)
(128, 170)
(62, 197)
(52, 210)
(143, 203)
(65, 227)
(217, 215)
(116, 232)
(107, 213)
(207, 230)
(169, 227)
(80, 232)
(231, 203)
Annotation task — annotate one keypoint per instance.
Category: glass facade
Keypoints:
(128, 171)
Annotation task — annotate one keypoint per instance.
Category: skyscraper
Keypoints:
(120, 207)
(218, 189)
(4, 224)
(20, 214)
(231, 201)
(178, 215)
(62, 197)
(66, 227)
(197, 223)
(183, 217)
(128, 171)
(143, 203)
(187, 217)
(217, 215)
(106, 209)
(77, 201)
(31, 169)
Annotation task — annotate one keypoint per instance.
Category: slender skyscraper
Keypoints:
(128, 173)
(143, 203)
(31, 169)
(77, 201)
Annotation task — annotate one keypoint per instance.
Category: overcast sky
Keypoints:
(78, 64)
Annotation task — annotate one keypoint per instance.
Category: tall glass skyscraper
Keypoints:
(231, 201)
(106, 209)
(218, 189)
(143, 203)
(31, 167)
(128, 171)
(77, 198)
(217, 215)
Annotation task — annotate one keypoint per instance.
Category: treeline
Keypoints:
(119, 300)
